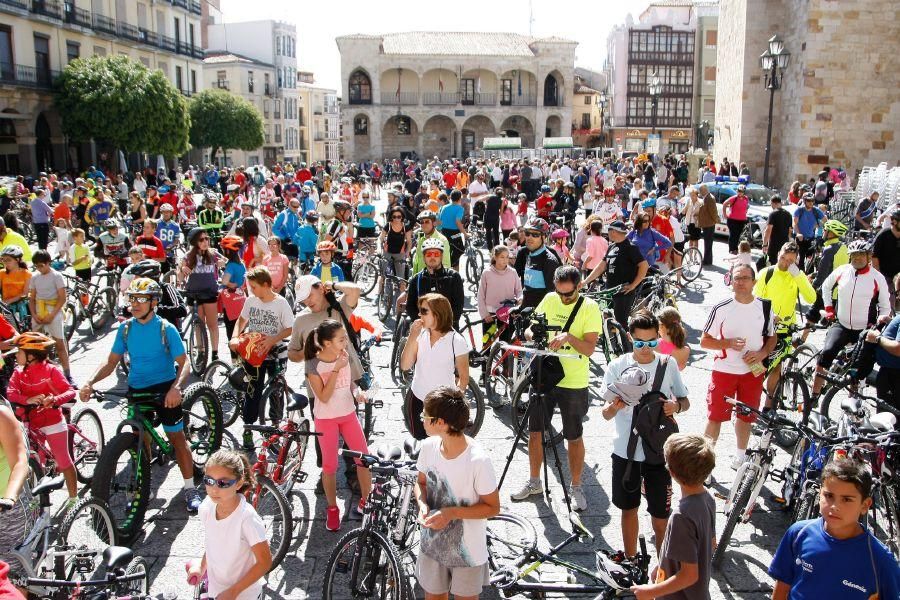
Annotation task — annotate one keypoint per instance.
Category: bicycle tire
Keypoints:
(383, 304)
(382, 563)
(86, 444)
(70, 320)
(35, 470)
(742, 498)
(498, 378)
(296, 446)
(275, 511)
(617, 338)
(803, 360)
(202, 426)
(509, 539)
(791, 396)
(890, 530)
(475, 398)
(691, 264)
(197, 346)
(808, 507)
(129, 502)
(98, 311)
(136, 586)
(230, 399)
(518, 409)
(474, 266)
(826, 398)
(399, 336)
(366, 277)
(88, 526)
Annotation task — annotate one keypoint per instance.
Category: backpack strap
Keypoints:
(770, 271)
(126, 328)
(660, 373)
(634, 437)
(767, 316)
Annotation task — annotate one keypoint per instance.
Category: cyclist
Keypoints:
(451, 217)
(807, 219)
(324, 268)
(211, 218)
(150, 245)
(199, 273)
(544, 203)
(426, 220)
(169, 233)
(862, 298)
(340, 232)
(285, 227)
(537, 266)
(154, 348)
(834, 254)
(437, 278)
(14, 282)
(98, 212)
(171, 305)
(113, 246)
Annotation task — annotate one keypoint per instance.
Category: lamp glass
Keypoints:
(776, 45)
(783, 59)
(766, 60)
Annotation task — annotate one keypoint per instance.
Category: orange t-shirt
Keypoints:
(14, 284)
(62, 211)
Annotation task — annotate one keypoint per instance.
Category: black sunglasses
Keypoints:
(219, 483)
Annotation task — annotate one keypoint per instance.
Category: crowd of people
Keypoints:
(239, 243)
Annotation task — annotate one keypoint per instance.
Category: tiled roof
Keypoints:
(229, 57)
(457, 43)
(580, 88)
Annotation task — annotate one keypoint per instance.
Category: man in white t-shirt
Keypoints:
(741, 332)
(565, 172)
(606, 208)
(478, 189)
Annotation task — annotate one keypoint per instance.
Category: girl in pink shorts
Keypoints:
(334, 410)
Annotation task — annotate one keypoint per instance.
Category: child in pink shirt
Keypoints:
(277, 263)
(595, 250)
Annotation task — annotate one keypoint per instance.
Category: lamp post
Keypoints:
(655, 89)
(602, 102)
(773, 62)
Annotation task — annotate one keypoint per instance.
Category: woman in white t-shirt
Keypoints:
(237, 554)
(439, 355)
(457, 493)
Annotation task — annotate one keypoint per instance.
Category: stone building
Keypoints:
(839, 103)
(321, 123)
(441, 94)
(38, 39)
(587, 126)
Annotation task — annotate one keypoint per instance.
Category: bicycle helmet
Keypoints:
(808, 197)
(325, 246)
(432, 244)
(649, 203)
(559, 234)
(569, 185)
(609, 192)
(426, 214)
(545, 189)
(146, 268)
(231, 242)
(143, 286)
(110, 224)
(233, 187)
(836, 227)
(538, 224)
(857, 246)
(166, 208)
(340, 205)
(618, 572)
(237, 378)
(312, 215)
(12, 252)
(664, 206)
(32, 340)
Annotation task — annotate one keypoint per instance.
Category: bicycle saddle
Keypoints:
(818, 421)
(851, 405)
(388, 453)
(412, 446)
(297, 402)
(883, 421)
(47, 485)
(117, 557)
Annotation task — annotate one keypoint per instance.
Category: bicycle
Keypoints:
(377, 557)
(515, 561)
(389, 293)
(87, 302)
(367, 269)
(123, 473)
(86, 442)
(655, 293)
(614, 337)
(126, 578)
(230, 386)
(691, 263)
(193, 331)
(474, 260)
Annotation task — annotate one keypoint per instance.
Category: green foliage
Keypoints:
(123, 102)
(220, 120)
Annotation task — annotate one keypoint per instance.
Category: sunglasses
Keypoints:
(534, 234)
(203, 239)
(433, 254)
(396, 218)
(219, 483)
(139, 299)
(567, 294)
(429, 418)
(649, 343)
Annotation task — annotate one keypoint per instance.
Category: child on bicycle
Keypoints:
(37, 390)
(457, 493)
(685, 559)
(325, 269)
(834, 556)
(14, 280)
(237, 554)
(334, 410)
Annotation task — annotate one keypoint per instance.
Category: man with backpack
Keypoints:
(643, 392)
(741, 332)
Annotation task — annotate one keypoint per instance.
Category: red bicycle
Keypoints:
(86, 442)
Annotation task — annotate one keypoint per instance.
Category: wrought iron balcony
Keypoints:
(47, 8)
(516, 100)
(76, 16)
(222, 84)
(403, 98)
(104, 24)
(25, 76)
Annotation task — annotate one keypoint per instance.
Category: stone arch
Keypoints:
(9, 144)
(519, 80)
(359, 87)
(396, 143)
(518, 126)
(438, 137)
(408, 87)
(554, 126)
(431, 83)
(479, 87)
(474, 130)
(43, 146)
(553, 89)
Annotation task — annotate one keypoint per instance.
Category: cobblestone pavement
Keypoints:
(172, 537)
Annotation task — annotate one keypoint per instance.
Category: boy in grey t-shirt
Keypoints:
(687, 549)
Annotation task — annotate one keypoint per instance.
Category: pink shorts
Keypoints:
(349, 429)
(746, 388)
(59, 447)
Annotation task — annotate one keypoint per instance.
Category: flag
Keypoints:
(520, 83)
(478, 83)
(399, 76)
(440, 82)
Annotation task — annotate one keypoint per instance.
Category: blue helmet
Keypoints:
(649, 203)
(545, 188)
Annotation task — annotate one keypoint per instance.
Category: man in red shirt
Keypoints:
(240, 179)
(151, 245)
(303, 175)
(449, 179)
(544, 203)
(662, 225)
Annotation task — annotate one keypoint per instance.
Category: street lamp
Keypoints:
(655, 88)
(773, 62)
(602, 102)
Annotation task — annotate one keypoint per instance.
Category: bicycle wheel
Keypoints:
(475, 400)
(803, 361)
(296, 446)
(617, 339)
(400, 343)
(136, 587)
(509, 539)
(376, 567)
(100, 308)
(230, 399)
(691, 264)
(383, 306)
(202, 421)
(742, 498)
(474, 265)
(197, 346)
(519, 408)
(275, 512)
(88, 528)
(70, 320)
(399, 340)
(791, 396)
(808, 507)
(86, 441)
(366, 277)
(887, 520)
(499, 376)
(122, 480)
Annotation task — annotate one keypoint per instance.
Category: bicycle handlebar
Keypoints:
(271, 429)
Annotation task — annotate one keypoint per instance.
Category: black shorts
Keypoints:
(653, 479)
(171, 418)
(694, 232)
(201, 298)
(679, 247)
(573, 406)
(836, 338)
(365, 232)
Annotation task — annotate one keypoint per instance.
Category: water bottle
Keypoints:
(193, 578)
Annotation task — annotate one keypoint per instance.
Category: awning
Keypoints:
(502, 143)
(557, 142)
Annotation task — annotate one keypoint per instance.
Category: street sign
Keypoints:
(653, 143)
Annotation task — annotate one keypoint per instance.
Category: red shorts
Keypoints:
(746, 388)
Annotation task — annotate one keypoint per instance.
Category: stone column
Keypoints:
(27, 156)
(457, 142)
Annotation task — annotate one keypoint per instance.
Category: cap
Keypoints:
(304, 284)
(617, 226)
(166, 208)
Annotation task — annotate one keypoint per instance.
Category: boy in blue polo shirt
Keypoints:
(834, 556)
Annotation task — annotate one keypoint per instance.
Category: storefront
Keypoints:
(675, 141)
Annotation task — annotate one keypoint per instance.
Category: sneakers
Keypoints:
(532, 487)
(332, 518)
(737, 461)
(361, 507)
(193, 500)
(249, 448)
(579, 502)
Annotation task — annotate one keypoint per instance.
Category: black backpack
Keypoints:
(649, 423)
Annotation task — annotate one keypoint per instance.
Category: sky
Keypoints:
(588, 22)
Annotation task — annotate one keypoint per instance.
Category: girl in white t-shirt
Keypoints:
(334, 410)
(237, 554)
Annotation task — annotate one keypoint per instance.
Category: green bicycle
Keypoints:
(614, 339)
(122, 476)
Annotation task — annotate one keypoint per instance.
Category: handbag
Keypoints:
(551, 366)
(231, 302)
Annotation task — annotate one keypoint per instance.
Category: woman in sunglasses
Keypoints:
(396, 240)
(199, 273)
(237, 554)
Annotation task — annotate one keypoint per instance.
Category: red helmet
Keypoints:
(231, 242)
(609, 192)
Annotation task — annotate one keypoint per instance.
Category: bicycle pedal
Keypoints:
(300, 476)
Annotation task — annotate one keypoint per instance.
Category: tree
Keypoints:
(124, 103)
(220, 120)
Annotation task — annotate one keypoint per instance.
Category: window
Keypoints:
(280, 78)
(360, 88)
(551, 91)
(585, 120)
(73, 51)
(404, 125)
(709, 74)
(266, 109)
(506, 91)
(178, 79)
(193, 81)
(6, 50)
(250, 81)
(177, 32)
(266, 83)
(277, 45)
(587, 100)
(42, 58)
(361, 125)
(191, 35)
(712, 38)
(467, 91)
(709, 106)
(277, 133)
